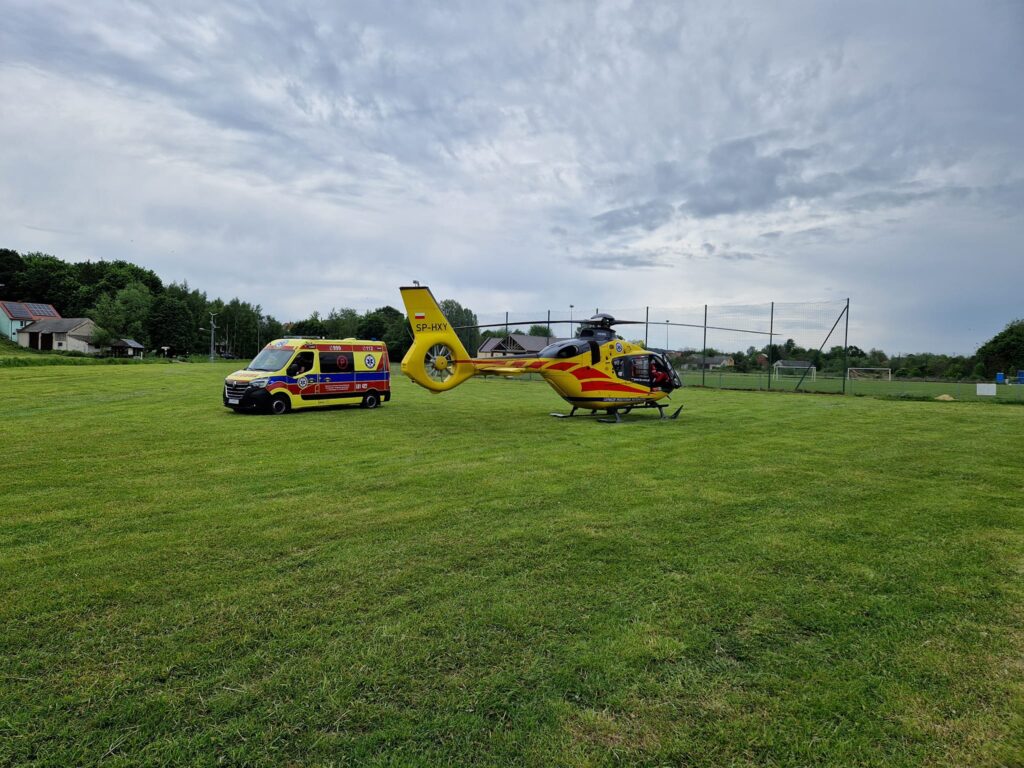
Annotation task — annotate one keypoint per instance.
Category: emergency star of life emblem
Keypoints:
(371, 361)
(303, 382)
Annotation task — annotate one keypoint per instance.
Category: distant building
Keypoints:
(69, 334)
(514, 344)
(710, 363)
(126, 348)
(15, 315)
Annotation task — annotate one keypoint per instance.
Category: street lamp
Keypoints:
(570, 320)
(666, 335)
(213, 332)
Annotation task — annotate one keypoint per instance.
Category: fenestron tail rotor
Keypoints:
(439, 363)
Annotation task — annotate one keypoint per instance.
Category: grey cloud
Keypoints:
(898, 198)
(622, 260)
(491, 134)
(742, 176)
(740, 256)
(648, 216)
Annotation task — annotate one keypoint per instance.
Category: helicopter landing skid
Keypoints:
(568, 415)
(661, 412)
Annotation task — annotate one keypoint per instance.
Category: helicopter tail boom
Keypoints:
(437, 360)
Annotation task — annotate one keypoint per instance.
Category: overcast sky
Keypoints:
(532, 155)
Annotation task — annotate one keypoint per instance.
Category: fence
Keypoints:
(753, 338)
(746, 347)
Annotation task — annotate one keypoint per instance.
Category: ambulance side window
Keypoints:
(335, 362)
(302, 363)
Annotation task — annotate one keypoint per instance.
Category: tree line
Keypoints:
(1004, 352)
(131, 302)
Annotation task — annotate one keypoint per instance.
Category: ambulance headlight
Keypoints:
(258, 383)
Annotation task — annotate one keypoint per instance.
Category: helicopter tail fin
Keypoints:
(437, 360)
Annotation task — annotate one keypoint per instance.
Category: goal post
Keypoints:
(881, 374)
(796, 370)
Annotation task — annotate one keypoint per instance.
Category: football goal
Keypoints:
(784, 371)
(880, 374)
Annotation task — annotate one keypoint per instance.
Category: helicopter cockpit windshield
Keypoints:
(562, 349)
(572, 348)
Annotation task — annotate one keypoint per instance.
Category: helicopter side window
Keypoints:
(637, 369)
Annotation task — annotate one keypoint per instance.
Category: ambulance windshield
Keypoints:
(270, 360)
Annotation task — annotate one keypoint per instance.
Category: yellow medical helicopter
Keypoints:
(596, 370)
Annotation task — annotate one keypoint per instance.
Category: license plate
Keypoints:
(232, 401)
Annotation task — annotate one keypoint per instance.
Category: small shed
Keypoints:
(126, 348)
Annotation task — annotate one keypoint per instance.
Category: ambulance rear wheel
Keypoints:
(371, 400)
(280, 405)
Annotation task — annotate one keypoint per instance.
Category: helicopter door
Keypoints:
(635, 368)
(663, 376)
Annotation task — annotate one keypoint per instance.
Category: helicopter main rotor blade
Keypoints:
(517, 322)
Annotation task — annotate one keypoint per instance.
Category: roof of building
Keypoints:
(711, 359)
(17, 310)
(127, 343)
(56, 325)
(794, 363)
(526, 344)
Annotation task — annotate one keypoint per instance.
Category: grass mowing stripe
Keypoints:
(464, 580)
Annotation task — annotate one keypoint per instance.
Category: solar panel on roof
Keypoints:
(17, 311)
(42, 310)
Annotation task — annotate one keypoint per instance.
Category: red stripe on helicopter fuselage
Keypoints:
(610, 386)
(589, 373)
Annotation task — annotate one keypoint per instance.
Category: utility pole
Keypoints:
(213, 331)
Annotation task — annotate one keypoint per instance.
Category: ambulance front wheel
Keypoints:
(280, 405)
(371, 400)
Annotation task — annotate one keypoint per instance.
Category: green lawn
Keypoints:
(463, 580)
(897, 389)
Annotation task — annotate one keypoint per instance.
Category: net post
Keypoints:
(647, 322)
(704, 351)
(846, 344)
(844, 312)
(506, 323)
(771, 343)
(549, 326)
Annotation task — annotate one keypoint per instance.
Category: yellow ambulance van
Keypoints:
(309, 372)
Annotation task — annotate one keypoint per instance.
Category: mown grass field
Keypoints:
(895, 389)
(463, 580)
